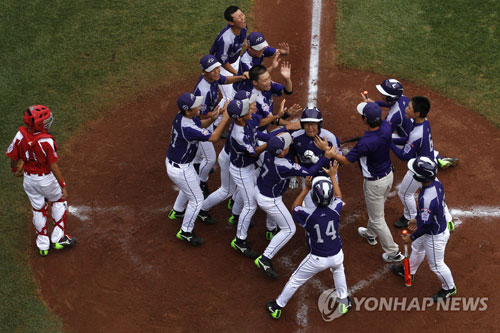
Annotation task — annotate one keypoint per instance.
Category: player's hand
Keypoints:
(286, 70)
(294, 183)
(294, 110)
(246, 75)
(321, 143)
(284, 48)
(20, 169)
(276, 60)
(412, 224)
(406, 238)
(332, 170)
(365, 99)
(64, 193)
(282, 109)
(308, 184)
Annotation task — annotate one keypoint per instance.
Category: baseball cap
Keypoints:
(208, 63)
(237, 108)
(188, 101)
(370, 110)
(243, 94)
(277, 144)
(257, 41)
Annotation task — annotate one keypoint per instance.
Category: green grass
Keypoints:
(452, 47)
(81, 59)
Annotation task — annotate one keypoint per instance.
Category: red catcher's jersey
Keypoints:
(37, 150)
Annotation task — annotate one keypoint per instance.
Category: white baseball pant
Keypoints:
(244, 179)
(226, 90)
(39, 189)
(432, 246)
(311, 265)
(207, 157)
(227, 186)
(188, 182)
(277, 212)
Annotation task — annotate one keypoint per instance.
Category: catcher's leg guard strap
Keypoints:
(59, 214)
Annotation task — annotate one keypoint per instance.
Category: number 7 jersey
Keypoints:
(322, 227)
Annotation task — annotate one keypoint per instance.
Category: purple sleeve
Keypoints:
(300, 215)
(312, 171)
(222, 79)
(383, 104)
(277, 89)
(357, 152)
(266, 136)
(269, 51)
(196, 134)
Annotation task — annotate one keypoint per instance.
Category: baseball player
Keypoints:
(392, 90)
(430, 228)
(33, 153)
(257, 50)
(207, 88)
(227, 47)
(187, 131)
(244, 153)
(373, 155)
(304, 149)
(323, 239)
(419, 144)
(271, 184)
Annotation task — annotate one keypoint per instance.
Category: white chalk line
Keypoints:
(314, 55)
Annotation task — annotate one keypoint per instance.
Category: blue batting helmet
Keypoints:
(311, 115)
(424, 169)
(322, 191)
(392, 89)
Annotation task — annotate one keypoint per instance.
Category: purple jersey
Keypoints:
(273, 178)
(210, 93)
(227, 46)
(303, 143)
(265, 100)
(397, 116)
(186, 133)
(430, 214)
(322, 227)
(246, 63)
(419, 143)
(373, 152)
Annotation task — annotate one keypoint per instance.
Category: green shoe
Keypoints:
(344, 308)
(66, 241)
(451, 225)
(271, 233)
(447, 162)
(233, 219)
(274, 309)
(230, 204)
(43, 253)
(175, 214)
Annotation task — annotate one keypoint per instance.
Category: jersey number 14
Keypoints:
(330, 231)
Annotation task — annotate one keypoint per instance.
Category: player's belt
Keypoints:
(379, 177)
(36, 174)
(177, 165)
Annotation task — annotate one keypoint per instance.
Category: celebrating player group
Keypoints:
(271, 147)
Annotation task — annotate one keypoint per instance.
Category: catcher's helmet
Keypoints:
(322, 191)
(391, 88)
(38, 118)
(424, 169)
(311, 115)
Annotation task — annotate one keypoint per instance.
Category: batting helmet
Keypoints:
(424, 169)
(311, 115)
(322, 191)
(391, 88)
(39, 118)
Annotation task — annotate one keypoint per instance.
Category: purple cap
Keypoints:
(277, 144)
(243, 94)
(237, 108)
(257, 41)
(208, 63)
(188, 101)
(370, 110)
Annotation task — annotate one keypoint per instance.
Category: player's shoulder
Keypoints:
(297, 134)
(328, 135)
(246, 57)
(283, 162)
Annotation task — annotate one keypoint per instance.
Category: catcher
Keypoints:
(33, 153)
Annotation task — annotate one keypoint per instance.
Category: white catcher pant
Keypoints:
(244, 179)
(432, 246)
(311, 265)
(277, 212)
(39, 189)
(409, 186)
(190, 193)
(227, 186)
(376, 192)
(207, 157)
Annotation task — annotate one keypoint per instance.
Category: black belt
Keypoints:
(379, 177)
(174, 164)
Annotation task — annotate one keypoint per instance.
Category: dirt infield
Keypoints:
(129, 273)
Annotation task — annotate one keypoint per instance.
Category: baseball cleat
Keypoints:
(43, 253)
(206, 218)
(395, 258)
(447, 162)
(244, 248)
(274, 309)
(66, 241)
(401, 223)
(266, 266)
(204, 189)
(371, 240)
(230, 204)
(189, 237)
(344, 305)
(271, 233)
(444, 294)
(233, 219)
(400, 271)
(175, 215)
(451, 225)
